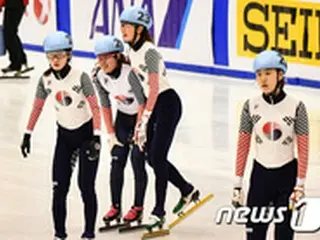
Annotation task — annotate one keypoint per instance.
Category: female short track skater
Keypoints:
(78, 123)
(115, 79)
(161, 114)
(278, 121)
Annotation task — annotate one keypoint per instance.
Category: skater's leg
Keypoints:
(287, 178)
(158, 160)
(12, 19)
(140, 175)
(260, 195)
(178, 180)
(140, 184)
(86, 181)
(119, 157)
(175, 177)
(168, 112)
(61, 175)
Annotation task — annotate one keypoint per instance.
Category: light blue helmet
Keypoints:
(269, 59)
(136, 15)
(108, 44)
(57, 41)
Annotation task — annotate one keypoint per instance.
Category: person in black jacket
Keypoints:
(13, 13)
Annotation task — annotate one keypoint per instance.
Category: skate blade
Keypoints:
(183, 215)
(111, 227)
(14, 77)
(154, 234)
(24, 71)
(131, 228)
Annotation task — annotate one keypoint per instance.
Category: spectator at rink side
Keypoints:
(13, 13)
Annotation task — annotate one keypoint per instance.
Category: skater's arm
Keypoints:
(40, 98)
(137, 89)
(152, 59)
(302, 132)
(107, 116)
(105, 104)
(91, 97)
(244, 139)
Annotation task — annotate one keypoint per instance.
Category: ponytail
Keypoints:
(123, 59)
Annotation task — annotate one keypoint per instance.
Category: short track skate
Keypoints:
(181, 216)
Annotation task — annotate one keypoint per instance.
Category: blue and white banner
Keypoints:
(208, 36)
(176, 28)
(39, 19)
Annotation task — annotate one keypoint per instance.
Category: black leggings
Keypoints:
(11, 22)
(160, 133)
(71, 144)
(271, 187)
(124, 128)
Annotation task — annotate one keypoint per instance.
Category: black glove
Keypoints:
(93, 151)
(25, 145)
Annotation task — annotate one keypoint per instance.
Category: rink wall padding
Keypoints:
(218, 37)
(63, 15)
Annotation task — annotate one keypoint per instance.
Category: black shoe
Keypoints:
(11, 68)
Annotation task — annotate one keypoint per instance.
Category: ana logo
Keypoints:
(272, 131)
(42, 9)
(63, 98)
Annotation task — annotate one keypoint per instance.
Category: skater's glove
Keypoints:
(296, 195)
(93, 151)
(140, 134)
(113, 141)
(237, 197)
(25, 145)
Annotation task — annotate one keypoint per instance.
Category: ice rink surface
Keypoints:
(204, 150)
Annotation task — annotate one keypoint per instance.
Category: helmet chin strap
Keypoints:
(134, 36)
(278, 87)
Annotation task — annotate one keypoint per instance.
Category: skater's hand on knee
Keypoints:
(113, 141)
(237, 197)
(140, 137)
(140, 133)
(25, 145)
(297, 194)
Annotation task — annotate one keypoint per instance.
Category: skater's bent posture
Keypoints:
(278, 121)
(115, 79)
(78, 127)
(161, 114)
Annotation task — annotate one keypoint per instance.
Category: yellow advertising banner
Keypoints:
(291, 27)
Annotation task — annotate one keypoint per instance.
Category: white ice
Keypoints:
(203, 150)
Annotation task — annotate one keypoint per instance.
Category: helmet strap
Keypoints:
(279, 86)
(132, 43)
(137, 43)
